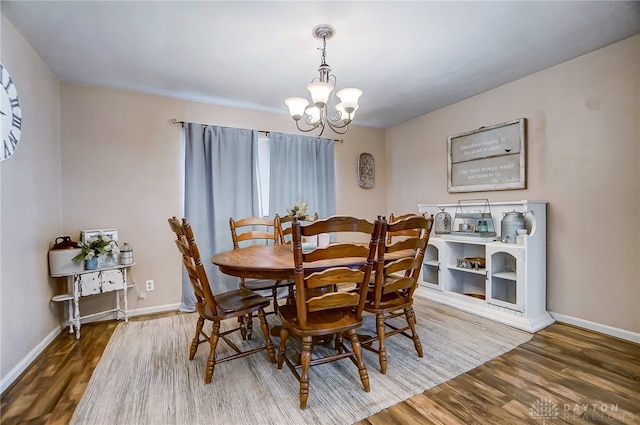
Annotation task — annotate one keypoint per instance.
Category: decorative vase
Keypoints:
(91, 264)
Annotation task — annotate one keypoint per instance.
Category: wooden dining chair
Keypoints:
(402, 233)
(395, 281)
(239, 303)
(320, 310)
(284, 226)
(258, 230)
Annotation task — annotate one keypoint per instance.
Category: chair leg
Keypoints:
(305, 359)
(382, 350)
(243, 327)
(284, 334)
(267, 336)
(249, 325)
(241, 319)
(211, 361)
(274, 293)
(411, 320)
(291, 296)
(196, 339)
(246, 326)
(357, 350)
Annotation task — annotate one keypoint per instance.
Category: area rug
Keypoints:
(144, 376)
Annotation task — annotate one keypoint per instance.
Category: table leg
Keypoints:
(76, 305)
(70, 315)
(124, 295)
(117, 304)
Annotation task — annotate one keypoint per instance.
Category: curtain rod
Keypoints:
(182, 123)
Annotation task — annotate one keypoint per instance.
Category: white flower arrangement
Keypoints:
(298, 210)
(96, 245)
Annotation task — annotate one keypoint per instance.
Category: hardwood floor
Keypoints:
(564, 375)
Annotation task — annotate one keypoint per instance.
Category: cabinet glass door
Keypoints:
(505, 285)
(431, 265)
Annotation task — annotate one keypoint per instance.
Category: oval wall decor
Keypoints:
(366, 170)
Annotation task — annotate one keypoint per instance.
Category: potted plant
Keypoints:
(298, 210)
(93, 247)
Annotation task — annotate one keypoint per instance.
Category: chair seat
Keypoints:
(324, 322)
(262, 284)
(391, 301)
(234, 302)
(240, 299)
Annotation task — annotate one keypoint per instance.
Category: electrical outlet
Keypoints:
(149, 285)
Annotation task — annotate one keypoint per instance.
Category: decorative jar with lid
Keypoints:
(442, 224)
(510, 224)
(126, 254)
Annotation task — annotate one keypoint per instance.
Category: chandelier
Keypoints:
(318, 115)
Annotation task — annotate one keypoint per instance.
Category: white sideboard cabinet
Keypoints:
(505, 282)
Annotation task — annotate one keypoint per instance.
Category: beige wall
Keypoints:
(121, 168)
(583, 159)
(30, 206)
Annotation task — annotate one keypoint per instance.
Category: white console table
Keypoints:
(92, 282)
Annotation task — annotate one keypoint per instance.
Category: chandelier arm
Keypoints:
(338, 123)
(313, 127)
(335, 120)
(339, 129)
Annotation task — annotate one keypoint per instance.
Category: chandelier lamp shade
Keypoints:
(319, 115)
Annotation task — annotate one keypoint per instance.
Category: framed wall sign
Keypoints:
(489, 158)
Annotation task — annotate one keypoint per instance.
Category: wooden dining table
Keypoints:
(273, 262)
(276, 262)
(269, 262)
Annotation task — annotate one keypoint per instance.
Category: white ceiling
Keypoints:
(409, 58)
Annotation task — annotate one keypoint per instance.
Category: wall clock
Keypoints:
(10, 115)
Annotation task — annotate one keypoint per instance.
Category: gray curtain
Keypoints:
(221, 166)
(301, 168)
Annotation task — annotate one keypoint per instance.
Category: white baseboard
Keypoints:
(155, 309)
(38, 349)
(598, 327)
(132, 313)
(26, 362)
